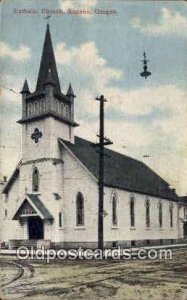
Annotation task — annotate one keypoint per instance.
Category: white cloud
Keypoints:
(171, 22)
(79, 4)
(10, 112)
(20, 54)
(146, 100)
(86, 60)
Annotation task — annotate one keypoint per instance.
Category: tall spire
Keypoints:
(48, 62)
(70, 91)
(25, 88)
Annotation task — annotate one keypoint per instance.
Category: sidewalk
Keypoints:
(133, 249)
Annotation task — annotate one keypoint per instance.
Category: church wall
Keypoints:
(77, 179)
(50, 181)
(69, 177)
(11, 229)
(182, 218)
(124, 232)
(47, 145)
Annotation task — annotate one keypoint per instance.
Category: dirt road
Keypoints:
(140, 280)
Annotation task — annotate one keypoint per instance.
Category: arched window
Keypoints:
(171, 215)
(132, 212)
(60, 219)
(29, 109)
(147, 212)
(61, 108)
(114, 209)
(42, 105)
(56, 106)
(36, 107)
(67, 111)
(79, 210)
(35, 180)
(160, 214)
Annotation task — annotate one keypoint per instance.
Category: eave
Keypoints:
(48, 114)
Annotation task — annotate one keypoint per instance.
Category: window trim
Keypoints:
(35, 171)
(132, 211)
(78, 197)
(114, 210)
(160, 215)
(147, 213)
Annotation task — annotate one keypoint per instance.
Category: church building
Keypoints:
(51, 198)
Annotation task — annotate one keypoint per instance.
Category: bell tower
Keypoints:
(47, 113)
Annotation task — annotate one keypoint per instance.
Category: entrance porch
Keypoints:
(34, 218)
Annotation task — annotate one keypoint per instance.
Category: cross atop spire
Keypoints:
(48, 62)
(47, 18)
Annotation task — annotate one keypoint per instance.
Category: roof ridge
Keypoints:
(111, 150)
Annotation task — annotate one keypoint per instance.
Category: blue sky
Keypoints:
(102, 54)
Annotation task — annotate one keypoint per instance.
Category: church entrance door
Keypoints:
(35, 228)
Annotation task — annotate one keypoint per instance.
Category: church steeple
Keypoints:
(70, 91)
(47, 62)
(25, 89)
(47, 107)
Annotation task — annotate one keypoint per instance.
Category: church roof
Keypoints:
(12, 178)
(121, 171)
(36, 204)
(40, 206)
(47, 62)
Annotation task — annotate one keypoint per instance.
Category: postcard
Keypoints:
(93, 146)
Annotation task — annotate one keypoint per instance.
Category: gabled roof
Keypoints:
(48, 62)
(37, 206)
(12, 178)
(121, 171)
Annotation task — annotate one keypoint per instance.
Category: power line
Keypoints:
(8, 89)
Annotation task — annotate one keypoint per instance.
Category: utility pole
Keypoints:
(102, 142)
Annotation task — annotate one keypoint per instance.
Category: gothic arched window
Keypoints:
(171, 214)
(56, 106)
(79, 210)
(67, 111)
(61, 108)
(114, 209)
(60, 219)
(147, 212)
(36, 107)
(42, 105)
(35, 180)
(29, 109)
(160, 214)
(132, 212)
